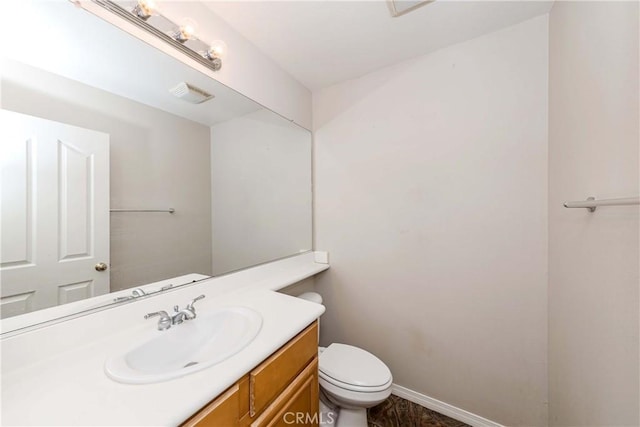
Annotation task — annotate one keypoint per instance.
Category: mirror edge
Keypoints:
(119, 17)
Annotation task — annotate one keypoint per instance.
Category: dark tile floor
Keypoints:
(398, 412)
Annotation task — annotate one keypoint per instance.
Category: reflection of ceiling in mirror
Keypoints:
(75, 44)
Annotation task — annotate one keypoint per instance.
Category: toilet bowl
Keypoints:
(351, 379)
(354, 380)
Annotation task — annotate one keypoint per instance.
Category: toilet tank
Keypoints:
(311, 296)
(317, 298)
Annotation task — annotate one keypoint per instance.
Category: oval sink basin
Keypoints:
(189, 347)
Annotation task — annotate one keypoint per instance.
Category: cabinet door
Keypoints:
(297, 405)
(272, 376)
(222, 412)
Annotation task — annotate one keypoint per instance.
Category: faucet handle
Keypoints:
(190, 305)
(161, 313)
(165, 319)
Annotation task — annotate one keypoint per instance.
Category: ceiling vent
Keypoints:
(402, 7)
(190, 93)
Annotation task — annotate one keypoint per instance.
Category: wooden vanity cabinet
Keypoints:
(222, 412)
(281, 391)
(297, 404)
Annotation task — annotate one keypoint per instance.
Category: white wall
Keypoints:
(261, 183)
(157, 161)
(431, 195)
(594, 258)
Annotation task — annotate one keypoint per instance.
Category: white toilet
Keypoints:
(351, 378)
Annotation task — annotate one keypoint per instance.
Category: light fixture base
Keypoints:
(141, 13)
(216, 64)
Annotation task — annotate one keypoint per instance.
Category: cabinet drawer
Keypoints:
(298, 403)
(223, 411)
(271, 377)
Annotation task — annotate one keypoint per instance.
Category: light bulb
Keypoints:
(185, 31)
(148, 5)
(217, 49)
(188, 28)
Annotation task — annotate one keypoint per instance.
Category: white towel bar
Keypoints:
(591, 203)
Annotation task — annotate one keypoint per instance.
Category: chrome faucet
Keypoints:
(136, 293)
(188, 313)
(182, 315)
(166, 321)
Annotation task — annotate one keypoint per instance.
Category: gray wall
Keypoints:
(594, 258)
(158, 160)
(431, 195)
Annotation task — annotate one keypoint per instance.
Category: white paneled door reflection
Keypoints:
(54, 213)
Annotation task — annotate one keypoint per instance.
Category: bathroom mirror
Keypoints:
(115, 186)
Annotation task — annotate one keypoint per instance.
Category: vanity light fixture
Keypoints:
(144, 14)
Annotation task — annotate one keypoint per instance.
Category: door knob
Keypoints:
(101, 266)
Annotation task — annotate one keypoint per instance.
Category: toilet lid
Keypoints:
(353, 365)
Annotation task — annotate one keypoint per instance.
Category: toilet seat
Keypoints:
(351, 387)
(354, 369)
(346, 398)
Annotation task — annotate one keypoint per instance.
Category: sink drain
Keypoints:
(190, 364)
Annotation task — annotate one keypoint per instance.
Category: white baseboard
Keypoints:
(443, 408)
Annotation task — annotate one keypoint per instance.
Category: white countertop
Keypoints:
(55, 375)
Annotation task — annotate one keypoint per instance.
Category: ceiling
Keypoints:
(325, 42)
